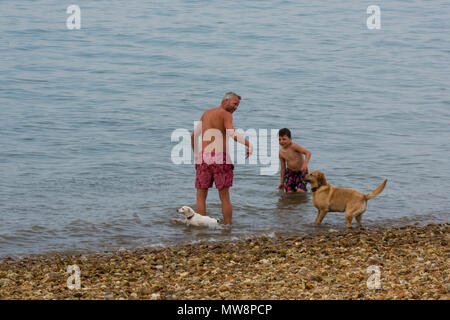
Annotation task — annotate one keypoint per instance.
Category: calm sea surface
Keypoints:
(86, 116)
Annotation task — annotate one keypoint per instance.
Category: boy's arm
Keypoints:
(307, 154)
(282, 171)
(228, 123)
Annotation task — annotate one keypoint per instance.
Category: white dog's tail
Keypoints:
(377, 191)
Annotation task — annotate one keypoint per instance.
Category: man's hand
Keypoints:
(249, 151)
(241, 139)
(281, 186)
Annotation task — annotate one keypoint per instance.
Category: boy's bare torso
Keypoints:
(294, 159)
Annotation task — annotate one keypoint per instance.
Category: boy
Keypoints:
(291, 154)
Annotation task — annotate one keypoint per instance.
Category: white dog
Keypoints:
(194, 219)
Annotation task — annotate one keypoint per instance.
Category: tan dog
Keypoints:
(327, 198)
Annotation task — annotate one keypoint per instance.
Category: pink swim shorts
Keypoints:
(216, 168)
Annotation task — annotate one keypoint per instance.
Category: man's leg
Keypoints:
(227, 209)
(200, 207)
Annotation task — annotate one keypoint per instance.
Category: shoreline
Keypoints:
(214, 238)
(409, 262)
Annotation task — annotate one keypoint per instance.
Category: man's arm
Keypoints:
(307, 154)
(194, 139)
(228, 123)
(197, 131)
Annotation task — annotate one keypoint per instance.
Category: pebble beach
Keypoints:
(407, 262)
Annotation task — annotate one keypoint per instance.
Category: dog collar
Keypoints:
(190, 216)
(316, 188)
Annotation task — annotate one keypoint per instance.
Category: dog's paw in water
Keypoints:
(178, 221)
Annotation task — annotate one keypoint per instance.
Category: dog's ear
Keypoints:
(321, 179)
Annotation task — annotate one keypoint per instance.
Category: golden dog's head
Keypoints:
(315, 178)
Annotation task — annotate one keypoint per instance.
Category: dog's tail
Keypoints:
(377, 191)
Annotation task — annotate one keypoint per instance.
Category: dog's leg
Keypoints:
(354, 210)
(179, 221)
(349, 218)
(349, 214)
(358, 219)
(358, 211)
(320, 215)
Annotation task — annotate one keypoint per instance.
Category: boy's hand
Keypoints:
(304, 168)
(281, 187)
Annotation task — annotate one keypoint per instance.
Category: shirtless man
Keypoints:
(291, 156)
(212, 162)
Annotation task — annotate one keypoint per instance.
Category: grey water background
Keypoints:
(86, 116)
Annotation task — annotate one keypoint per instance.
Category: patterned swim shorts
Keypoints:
(293, 180)
(215, 168)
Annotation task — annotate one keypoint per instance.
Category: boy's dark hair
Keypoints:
(284, 132)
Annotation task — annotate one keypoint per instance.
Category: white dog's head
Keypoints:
(187, 211)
